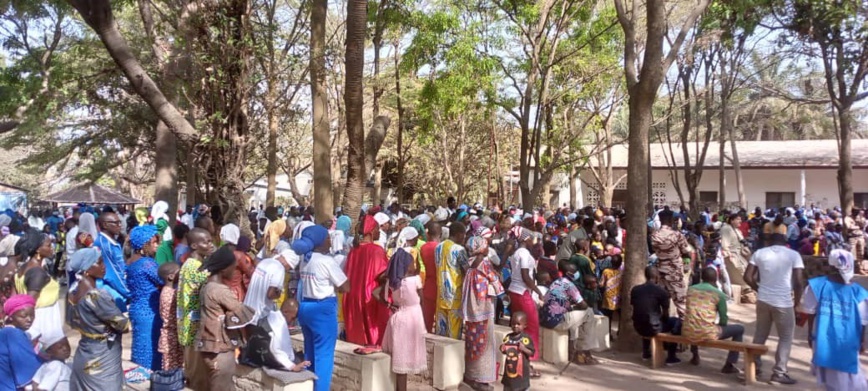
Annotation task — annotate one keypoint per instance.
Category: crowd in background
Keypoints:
(200, 296)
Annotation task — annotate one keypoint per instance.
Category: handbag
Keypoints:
(171, 380)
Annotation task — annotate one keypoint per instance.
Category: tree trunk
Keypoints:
(98, 15)
(721, 195)
(271, 168)
(324, 204)
(354, 101)
(574, 177)
(845, 165)
(166, 169)
(192, 185)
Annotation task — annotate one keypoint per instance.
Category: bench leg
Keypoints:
(749, 369)
(657, 356)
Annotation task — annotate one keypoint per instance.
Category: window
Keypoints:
(776, 200)
(708, 199)
(619, 198)
(860, 200)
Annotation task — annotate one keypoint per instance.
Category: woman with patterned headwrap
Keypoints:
(92, 312)
(272, 243)
(365, 315)
(480, 291)
(144, 284)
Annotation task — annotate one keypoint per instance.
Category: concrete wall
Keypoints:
(821, 187)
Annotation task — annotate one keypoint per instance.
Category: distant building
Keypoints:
(303, 181)
(775, 173)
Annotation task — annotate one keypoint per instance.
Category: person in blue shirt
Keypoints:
(113, 255)
(54, 222)
(838, 314)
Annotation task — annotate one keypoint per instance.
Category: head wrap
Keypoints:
(268, 273)
(477, 245)
(343, 224)
(460, 215)
(398, 266)
(311, 238)
(141, 216)
(381, 218)
(83, 258)
(230, 234)
(615, 251)
(243, 244)
(420, 229)
(296, 233)
(273, 233)
(521, 233)
(141, 235)
(441, 214)
(17, 303)
(158, 210)
(408, 233)
(842, 260)
(5, 220)
(220, 260)
(370, 225)
(87, 223)
(7, 245)
(482, 232)
(422, 219)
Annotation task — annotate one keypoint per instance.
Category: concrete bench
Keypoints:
(658, 354)
(355, 372)
(255, 379)
(445, 362)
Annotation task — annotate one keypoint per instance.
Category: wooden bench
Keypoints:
(658, 354)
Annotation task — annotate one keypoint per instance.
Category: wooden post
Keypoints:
(657, 359)
(749, 368)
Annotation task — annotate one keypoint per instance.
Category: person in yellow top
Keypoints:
(611, 283)
(452, 262)
(705, 303)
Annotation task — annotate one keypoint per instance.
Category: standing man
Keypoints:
(854, 229)
(776, 273)
(670, 245)
(113, 257)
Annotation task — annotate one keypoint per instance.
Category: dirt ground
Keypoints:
(627, 371)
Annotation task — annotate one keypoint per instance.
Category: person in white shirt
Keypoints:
(318, 309)
(385, 224)
(776, 273)
(54, 374)
(523, 285)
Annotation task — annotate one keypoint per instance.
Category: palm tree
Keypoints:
(357, 17)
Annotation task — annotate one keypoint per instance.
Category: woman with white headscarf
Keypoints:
(269, 344)
(838, 314)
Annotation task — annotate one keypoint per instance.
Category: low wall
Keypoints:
(355, 372)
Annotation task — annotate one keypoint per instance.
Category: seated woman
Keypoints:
(268, 342)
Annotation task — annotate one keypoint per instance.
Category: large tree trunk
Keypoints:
(845, 165)
(271, 168)
(324, 204)
(166, 169)
(192, 177)
(354, 101)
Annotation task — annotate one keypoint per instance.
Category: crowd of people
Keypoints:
(200, 296)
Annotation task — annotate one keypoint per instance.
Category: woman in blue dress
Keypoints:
(144, 284)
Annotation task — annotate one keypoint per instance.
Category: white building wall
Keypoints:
(821, 187)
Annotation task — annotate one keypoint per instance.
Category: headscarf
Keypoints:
(483, 232)
(219, 260)
(82, 259)
(381, 218)
(7, 245)
(141, 235)
(423, 219)
(441, 214)
(87, 224)
(408, 233)
(273, 233)
(398, 266)
(460, 215)
(842, 260)
(141, 216)
(243, 244)
(370, 225)
(420, 229)
(343, 224)
(230, 234)
(5, 220)
(521, 234)
(268, 273)
(477, 245)
(311, 238)
(17, 303)
(158, 210)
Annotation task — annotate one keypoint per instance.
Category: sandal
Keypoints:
(534, 374)
(364, 351)
(585, 359)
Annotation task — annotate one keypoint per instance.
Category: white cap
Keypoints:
(230, 233)
(441, 214)
(423, 218)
